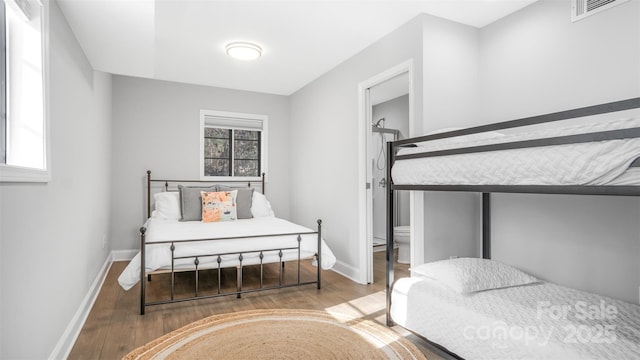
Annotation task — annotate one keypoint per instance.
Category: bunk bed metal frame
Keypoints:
(218, 256)
(486, 190)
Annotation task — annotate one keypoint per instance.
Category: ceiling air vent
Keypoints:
(581, 9)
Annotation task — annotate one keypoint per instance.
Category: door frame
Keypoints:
(365, 192)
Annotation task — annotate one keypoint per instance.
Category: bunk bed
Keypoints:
(175, 239)
(443, 302)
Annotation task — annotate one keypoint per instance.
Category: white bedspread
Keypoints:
(595, 163)
(539, 321)
(159, 256)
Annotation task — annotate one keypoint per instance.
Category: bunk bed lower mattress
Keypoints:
(537, 321)
(158, 256)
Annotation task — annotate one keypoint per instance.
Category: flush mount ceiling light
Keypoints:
(243, 50)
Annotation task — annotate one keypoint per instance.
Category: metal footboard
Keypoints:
(218, 259)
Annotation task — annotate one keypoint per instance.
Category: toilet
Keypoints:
(401, 236)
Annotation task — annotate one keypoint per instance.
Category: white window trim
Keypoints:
(240, 116)
(12, 173)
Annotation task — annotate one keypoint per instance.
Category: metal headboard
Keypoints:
(176, 182)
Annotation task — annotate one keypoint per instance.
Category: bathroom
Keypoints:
(390, 122)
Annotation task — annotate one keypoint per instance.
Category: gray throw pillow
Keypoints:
(191, 202)
(243, 201)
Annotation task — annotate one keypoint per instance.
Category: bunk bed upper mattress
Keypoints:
(593, 163)
(535, 321)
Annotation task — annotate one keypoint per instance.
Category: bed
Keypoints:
(535, 320)
(592, 157)
(174, 239)
(588, 163)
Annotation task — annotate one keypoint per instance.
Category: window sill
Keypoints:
(17, 174)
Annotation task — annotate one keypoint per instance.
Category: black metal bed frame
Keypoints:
(297, 237)
(486, 190)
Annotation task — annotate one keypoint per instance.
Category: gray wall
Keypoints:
(395, 113)
(51, 234)
(324, 141)
(536, 61)
(156, 126)
(451, 85)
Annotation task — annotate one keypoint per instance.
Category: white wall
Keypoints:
(324, 142)
(51, 234)
(536, 61)
(451, 87)
(156, 126)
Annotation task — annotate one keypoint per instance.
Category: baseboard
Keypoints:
(123, 255)
(71, 333)
(347, 271)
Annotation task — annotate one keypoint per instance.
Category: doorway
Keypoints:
(386, 114)
(390, 123)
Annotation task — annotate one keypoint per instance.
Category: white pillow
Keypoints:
(167, 205)
(260, 206)
(466, 275)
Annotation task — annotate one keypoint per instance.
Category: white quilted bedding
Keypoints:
(159, 256)
(595, 163)
(538, 321)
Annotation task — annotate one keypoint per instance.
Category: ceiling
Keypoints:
(183, 40)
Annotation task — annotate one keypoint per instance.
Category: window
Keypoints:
(232, 145)
(3, 87)
(23, 124)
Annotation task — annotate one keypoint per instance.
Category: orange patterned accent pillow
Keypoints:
(219, 206)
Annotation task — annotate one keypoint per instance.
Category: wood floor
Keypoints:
(114, 326)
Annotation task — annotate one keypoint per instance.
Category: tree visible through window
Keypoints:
(246, 145)
(233, 145)
(231, 152)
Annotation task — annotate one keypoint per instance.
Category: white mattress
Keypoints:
(631, 176)
(522, 322)
(595, 163)
(159, 256)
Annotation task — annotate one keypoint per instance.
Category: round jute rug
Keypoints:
(279, 334)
